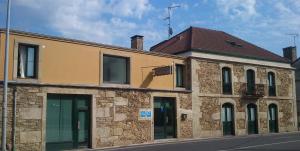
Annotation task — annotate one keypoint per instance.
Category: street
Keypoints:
(272, 142)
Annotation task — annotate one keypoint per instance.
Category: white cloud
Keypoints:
(242, 9)
(127, 8)
(274, 20)
(104, 21)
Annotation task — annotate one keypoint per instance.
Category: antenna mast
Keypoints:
(294, 36)
(170, 30)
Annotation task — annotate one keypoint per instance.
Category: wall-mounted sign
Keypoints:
(165, 70)
(145, 114)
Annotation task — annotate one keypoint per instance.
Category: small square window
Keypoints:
(116, 69)
(27, 61)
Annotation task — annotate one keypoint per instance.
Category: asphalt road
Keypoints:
(271, 142)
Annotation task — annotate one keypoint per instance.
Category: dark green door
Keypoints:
(228, 119)
(67, 122)
(273, 118)
(164, 118)
(252, 119)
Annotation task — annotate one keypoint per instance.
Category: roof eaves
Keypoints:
(235, 55)
(82, 42)
(296, 60)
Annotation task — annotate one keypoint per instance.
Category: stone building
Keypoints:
(237, 87)
(73, 94)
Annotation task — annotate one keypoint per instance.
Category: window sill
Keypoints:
(115, 85)
(27, 80)
(179, 88)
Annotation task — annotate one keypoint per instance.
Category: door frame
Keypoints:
(176, 129)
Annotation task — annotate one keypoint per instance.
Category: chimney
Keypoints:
(290, 53)
(137, 42)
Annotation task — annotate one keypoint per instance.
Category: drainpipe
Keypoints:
(14, 119)
(5, 83)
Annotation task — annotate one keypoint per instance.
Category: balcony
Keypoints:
(255, 91)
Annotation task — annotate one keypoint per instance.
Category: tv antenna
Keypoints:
(294, 36)
(170, 30)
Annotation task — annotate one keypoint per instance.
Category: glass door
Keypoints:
(83, 122)
(273, 119)
(252, 119)
(228, 119)
(164, 118)
(67, 122)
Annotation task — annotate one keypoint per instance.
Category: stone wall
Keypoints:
(29, 118)
(186, 130)
(208, 77)
(117, 118)
(115, 115)
(208, 98)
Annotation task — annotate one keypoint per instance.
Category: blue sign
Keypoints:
(145, 114)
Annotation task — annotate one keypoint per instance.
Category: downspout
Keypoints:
(14, 119)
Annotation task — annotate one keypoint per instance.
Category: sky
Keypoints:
(265, 23)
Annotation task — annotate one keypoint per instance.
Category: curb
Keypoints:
(179, 141)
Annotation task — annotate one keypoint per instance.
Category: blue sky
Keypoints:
(262, 22)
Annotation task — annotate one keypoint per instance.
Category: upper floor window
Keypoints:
(116, 69)
(179, 75)
(226, 80)
(250, 81)
(271, 83)
(27, 61)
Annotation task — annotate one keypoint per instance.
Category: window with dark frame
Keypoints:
(250, 82)
(226, 80)
(179, 75)
(116, 69)
(27, 61)
(272, 84)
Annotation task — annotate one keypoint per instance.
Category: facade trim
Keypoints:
(206, 56)
(16, 83)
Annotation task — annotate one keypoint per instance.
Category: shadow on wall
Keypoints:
(147, 80)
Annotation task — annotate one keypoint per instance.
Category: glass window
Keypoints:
(179, 75)
(252, 114)
(250, 82)
(27, 56)
(115, 69)
(228, 112)
(272, 85)
(226, 80)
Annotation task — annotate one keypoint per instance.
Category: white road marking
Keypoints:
(240, 148)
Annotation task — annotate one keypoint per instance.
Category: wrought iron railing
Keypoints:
(255, 91)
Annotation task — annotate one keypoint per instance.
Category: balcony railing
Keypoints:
(253, 91)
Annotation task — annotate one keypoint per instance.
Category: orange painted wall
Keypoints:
(71, 63)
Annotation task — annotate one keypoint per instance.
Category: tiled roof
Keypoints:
(213, 41)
